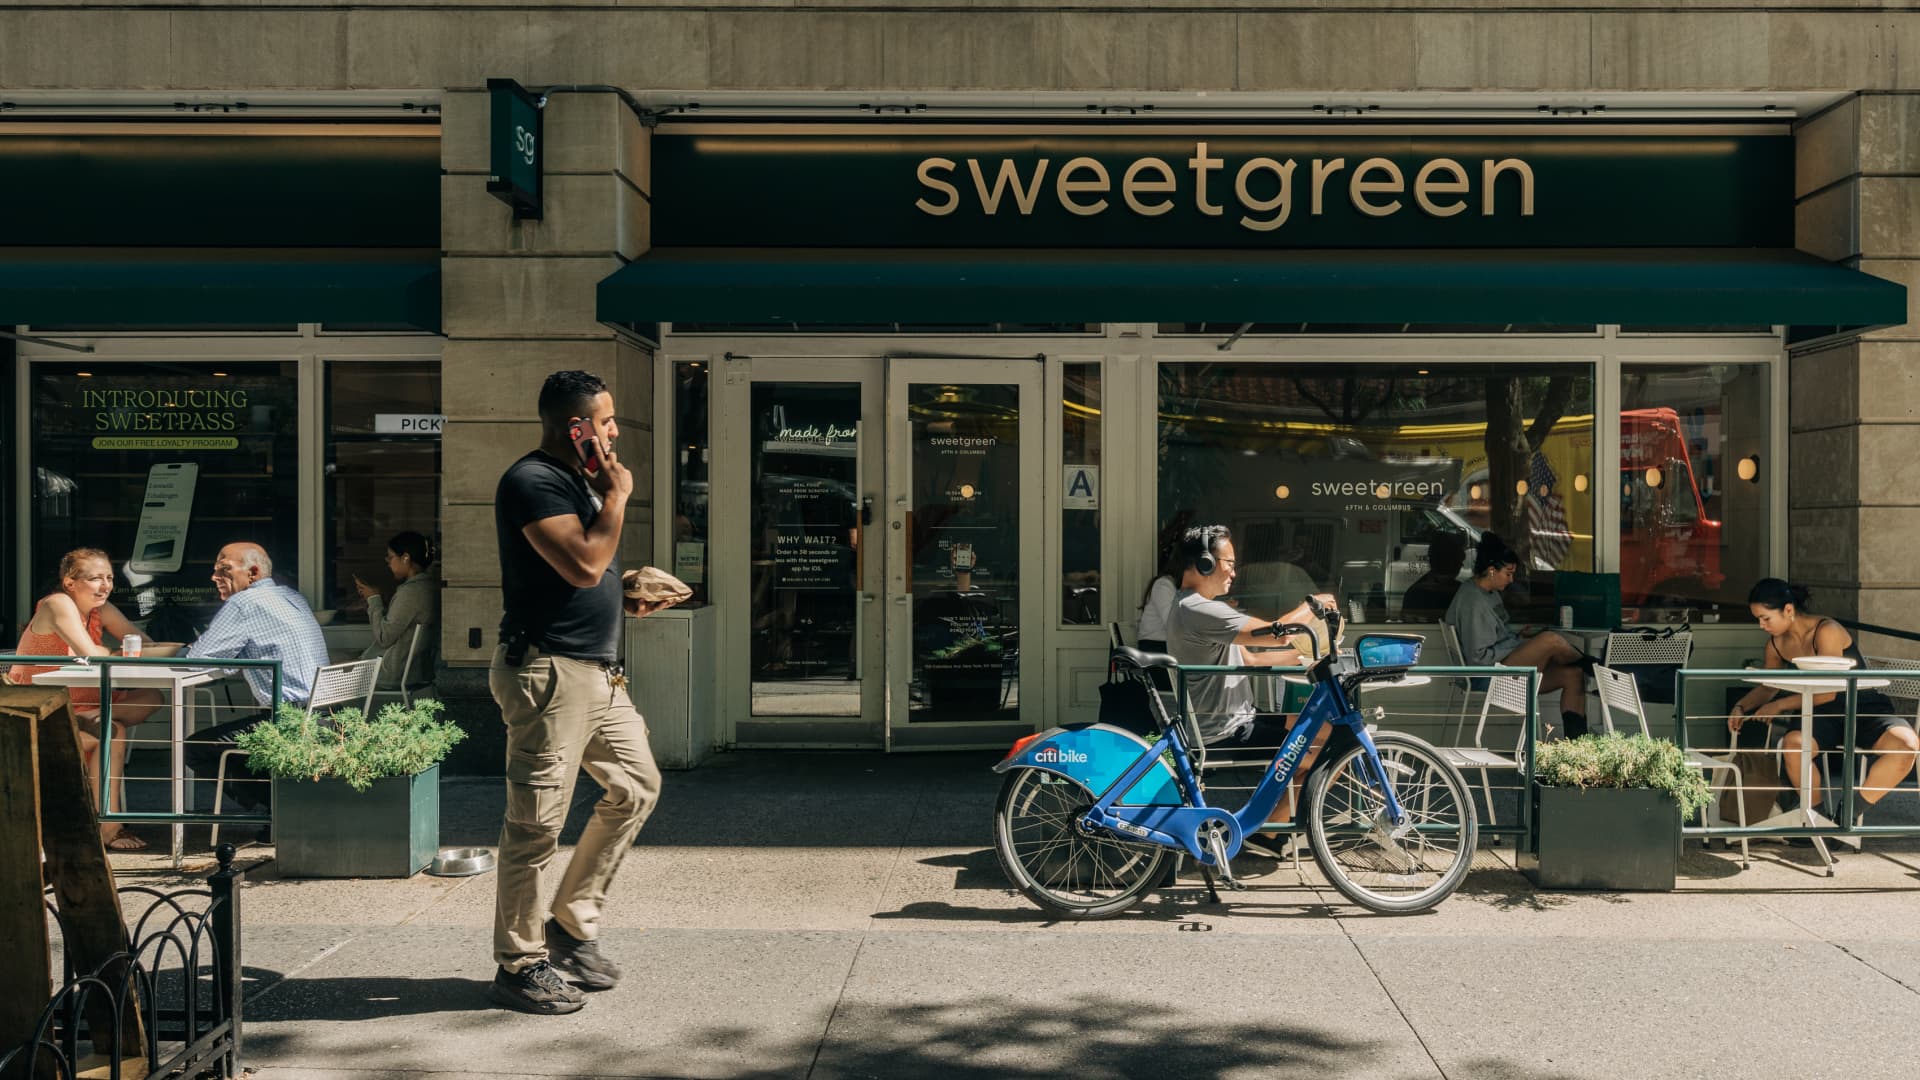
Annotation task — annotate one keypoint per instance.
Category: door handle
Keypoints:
(901, 599)
(868, 598)
(866, 510)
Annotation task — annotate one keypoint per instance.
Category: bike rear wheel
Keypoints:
(1037, 834)
(1358, 850)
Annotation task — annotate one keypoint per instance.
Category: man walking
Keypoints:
(558, 512)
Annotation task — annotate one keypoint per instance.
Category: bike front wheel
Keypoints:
(1387, 869)
(1042, 849)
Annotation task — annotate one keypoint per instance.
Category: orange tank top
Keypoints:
(48, 644)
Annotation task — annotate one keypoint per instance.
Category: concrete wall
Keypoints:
(1854, 410)
(936, 44)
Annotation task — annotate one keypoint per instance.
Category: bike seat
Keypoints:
(1142, 659)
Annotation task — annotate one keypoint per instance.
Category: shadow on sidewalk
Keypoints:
(366, 998)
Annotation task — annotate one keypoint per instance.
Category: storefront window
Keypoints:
(1080, 495)
(161, 465)
(382, 473)
(690, 478)
(1370, 481)
(1694, 461)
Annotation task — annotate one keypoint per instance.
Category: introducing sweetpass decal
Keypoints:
(181, 410)
(1263, 187)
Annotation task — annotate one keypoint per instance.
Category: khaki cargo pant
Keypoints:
(563, 714)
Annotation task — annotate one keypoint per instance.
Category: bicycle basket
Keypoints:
(1386, 652)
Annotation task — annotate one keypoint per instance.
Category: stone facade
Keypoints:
(518, 295)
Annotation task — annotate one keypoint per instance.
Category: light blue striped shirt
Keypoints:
(267, 622)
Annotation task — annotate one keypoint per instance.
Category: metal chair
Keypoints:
(1508, 694)
(404, 692)
(1628, 649)
(1464, 685)
(336, 684)
(1619, 692)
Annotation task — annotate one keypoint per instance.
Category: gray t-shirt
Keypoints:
(1480, 619)
(1201, 631)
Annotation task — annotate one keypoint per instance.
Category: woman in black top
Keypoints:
(1792, 631)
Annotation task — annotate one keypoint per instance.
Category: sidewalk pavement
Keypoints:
(843, 915)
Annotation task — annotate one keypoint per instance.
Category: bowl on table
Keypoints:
(1823, 663)
(324, 617)
(162, 648)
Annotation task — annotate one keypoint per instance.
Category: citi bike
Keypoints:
(1088, 816)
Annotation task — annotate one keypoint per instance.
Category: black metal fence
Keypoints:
(171, 998)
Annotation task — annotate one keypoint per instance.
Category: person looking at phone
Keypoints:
(1202, 630)
(558, 514)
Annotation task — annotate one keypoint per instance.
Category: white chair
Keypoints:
(1619, 693)
(1640, 648)
(405, 692)
(1507, 694)
(336, 684)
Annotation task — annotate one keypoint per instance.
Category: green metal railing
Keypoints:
(1522, 827)
(1845, 684)
(106, 666)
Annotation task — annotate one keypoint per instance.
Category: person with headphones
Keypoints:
(1204, 630)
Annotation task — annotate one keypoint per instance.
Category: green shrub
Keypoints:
(1624, 761)
(401, 740)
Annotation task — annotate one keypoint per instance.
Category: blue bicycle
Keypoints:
(1088, 816)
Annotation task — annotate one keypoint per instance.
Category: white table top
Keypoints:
(1804, 685)
(1404, 680)
(140, 677)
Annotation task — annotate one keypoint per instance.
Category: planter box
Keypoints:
(323, 828)
(1625, 839)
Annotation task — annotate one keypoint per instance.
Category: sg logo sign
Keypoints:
(523, 143)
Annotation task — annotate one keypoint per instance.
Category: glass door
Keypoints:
(805, 626)
(964, 513)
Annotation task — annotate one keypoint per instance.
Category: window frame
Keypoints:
(310, 352)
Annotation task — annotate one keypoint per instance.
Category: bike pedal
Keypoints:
(1234, 884)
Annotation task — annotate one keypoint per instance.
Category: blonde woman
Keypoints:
(74, 620)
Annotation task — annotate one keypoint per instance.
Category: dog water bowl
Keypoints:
(461, 862)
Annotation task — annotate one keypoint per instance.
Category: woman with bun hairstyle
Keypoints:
(416, 602)
(1792, 630)
(1487, 638)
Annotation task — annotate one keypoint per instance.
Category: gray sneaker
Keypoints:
(537, 988)
(582, 962)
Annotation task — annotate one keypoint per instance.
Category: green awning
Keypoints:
(1639, 286)
(167, 287)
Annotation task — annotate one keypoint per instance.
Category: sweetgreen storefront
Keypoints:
(932, 399)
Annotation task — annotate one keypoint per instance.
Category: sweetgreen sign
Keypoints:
(515, 148)
(1220, 187)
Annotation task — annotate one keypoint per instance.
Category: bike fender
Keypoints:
(1096, 756)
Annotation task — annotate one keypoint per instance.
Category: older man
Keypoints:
(260, 619)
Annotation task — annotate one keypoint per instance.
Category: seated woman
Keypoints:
(1781, 610)
(416, 602)
(73, 620)
(1487, 638)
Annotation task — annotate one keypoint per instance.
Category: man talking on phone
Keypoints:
(558, 512)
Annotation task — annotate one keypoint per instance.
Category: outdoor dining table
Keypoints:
(176, 682)
(1805, 814)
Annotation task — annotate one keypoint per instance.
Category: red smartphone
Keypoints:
(585, 445)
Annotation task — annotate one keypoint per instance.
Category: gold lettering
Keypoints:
(1321, 171)
(927, 179)
(1131, 186)
(1424, 187)
(1281, 201)
(1363, 187)
(1066, 187)
(1201, 163)
(1490, 171)
(1008, 177)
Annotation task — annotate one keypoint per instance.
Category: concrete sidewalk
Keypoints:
(843, 915)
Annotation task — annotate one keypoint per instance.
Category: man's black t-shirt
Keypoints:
(580, 623)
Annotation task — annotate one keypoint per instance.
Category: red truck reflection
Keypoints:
(1669, 547)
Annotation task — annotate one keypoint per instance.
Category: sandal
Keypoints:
(126, 841)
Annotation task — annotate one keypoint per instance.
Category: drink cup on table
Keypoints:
(130, 645)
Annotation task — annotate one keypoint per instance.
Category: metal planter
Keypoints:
(1620, 839)
(325, 829)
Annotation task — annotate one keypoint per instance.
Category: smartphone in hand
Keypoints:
(586, 445)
